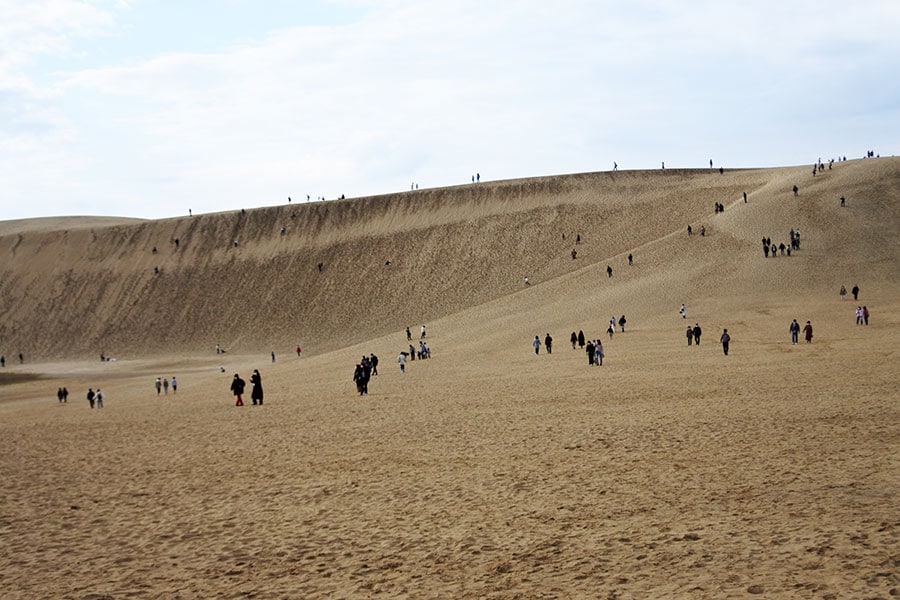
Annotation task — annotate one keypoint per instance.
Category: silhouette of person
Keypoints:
(256, 393)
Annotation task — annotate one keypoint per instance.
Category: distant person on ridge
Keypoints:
(608, 271)
(408, 335)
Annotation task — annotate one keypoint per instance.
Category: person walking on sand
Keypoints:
(589, 350)
(422, 333)
(59, 395)
(697, 332)
(90, 397)
(574, 339)
(158, 386)
(725, 339)
(537, 345)
(98, 398)
(361, 377)
(865, 313)
(166, 387)
(401, 359)
(690, 335)
(795, 331)
(859, 315)
(374, 360)
(580, 339)
(174, 385)
(622, 323)
(610, 331)
(299, 350)
(608, 271)
(843, 293)
(273, 356)
(548, 342)
(683, 311)
(598, 353)
(855, 292)
(256, 393)
(807, 332)
(237, 388)
(408, 335)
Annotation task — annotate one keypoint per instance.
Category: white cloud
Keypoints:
(432, 91)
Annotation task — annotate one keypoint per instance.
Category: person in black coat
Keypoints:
(361, 376)
(580, 339)
(256, 394)
(237, 388)
(697, 332)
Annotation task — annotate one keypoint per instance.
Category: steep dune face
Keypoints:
(74, 289)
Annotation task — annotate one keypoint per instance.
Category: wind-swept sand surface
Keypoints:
(485, 471)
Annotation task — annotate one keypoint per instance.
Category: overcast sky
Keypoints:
(148, 108)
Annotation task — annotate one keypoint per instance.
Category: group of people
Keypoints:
(862, 315)
(365, 369)
(548, 343)
(163, 385)
(256, 393)
(795, 332)
(422, 332)
(854, 291)
(62, 394)
(3, 360)
(95, 398)
(769, 247)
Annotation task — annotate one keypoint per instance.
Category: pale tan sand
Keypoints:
(485, 472)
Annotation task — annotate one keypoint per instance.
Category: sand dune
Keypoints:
(486, 471)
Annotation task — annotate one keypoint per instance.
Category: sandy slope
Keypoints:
(486, 471)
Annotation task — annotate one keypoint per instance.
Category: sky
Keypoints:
(152, 108)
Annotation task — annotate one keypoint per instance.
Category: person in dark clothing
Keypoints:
(574, 339)
(608, 271)
(237, 388)
(795, 331)
(374, 361)
(690, 335)
(256, 394)
(697, 332)
(807, 332)
(590, 353)
(90, 397)
(622, 323)
(65, 393)
(855, 292)
(580, 339)
(408, 334)
(59, 395)
(725, 339)
(548, 342)
(361, 376)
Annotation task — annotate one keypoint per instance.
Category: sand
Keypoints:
(485, 471)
